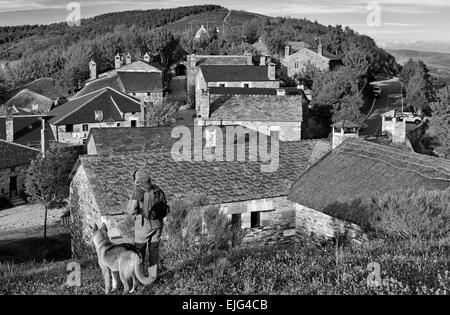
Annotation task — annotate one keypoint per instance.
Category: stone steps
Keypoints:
(17, 201)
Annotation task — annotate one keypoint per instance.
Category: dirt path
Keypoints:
(16, 221)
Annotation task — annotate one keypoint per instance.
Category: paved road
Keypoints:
(390, 99)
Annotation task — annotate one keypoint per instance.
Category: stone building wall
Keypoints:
(289, 130)
(297, 62)
(7, 173)
(84, 213)
(320, 226)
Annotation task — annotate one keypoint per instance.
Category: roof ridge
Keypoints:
(122, 94)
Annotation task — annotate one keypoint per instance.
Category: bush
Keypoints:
(192, 224)
(413, 215)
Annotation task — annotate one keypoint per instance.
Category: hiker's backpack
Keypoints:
(155, 205)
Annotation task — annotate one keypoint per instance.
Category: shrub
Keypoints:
(193, 224)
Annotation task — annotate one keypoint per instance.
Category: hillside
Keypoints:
(432, 59)
(213, 18)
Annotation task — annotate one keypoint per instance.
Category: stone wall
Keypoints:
(320, 226)
(78, 135)
(297, 62)
(289, 130)
(84, 213)
(7, 173)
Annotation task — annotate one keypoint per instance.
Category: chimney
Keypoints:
(287, 51)
(128, 60)
(394, 126)
(204, 103)
(93, 70)
(249, 58)
(192, 62)
(320, 49)
(147, 57)
(118, 61)
(9, 122)
(271, 69)
(342, 131)
(44, 144)
(143, 113)
(262, 61)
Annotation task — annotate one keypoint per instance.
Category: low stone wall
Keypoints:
(320, 226)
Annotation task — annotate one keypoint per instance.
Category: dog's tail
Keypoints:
(139, 271)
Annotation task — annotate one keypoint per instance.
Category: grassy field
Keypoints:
(302, 269)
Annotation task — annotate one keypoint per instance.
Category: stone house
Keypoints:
(142, 78)
(296, 62)
(194, 62)
(263, 110)
(14, 162)
(101, 185)
(106, 108)
(349, 175)
(234, 77)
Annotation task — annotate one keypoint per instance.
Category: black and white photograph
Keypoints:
(225, 156)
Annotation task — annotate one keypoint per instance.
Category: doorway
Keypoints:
(13, 192)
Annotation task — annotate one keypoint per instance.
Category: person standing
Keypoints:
(149, 207)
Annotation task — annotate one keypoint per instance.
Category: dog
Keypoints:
(122, 261)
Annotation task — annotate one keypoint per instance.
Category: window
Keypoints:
(98, 114)
(296, 65)
(85, 128)
(236, 219)
(222, 85)
(246, 85)
(69, 128)
(133, 123)
(260, 218)
(118, 124)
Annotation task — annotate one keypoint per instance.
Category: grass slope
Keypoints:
(215, 18)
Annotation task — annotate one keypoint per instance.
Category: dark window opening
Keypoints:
(255, 219)
(69, 128)
(222, 85)
(246, 85)
(133, 123)
(85, 128)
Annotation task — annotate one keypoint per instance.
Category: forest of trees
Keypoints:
(63, 54)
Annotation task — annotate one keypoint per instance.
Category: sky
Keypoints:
(384, 20)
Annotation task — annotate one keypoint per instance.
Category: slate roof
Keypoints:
(140, 82)
(27, 130)
(125, 82)
(81, 110)
(296, 46)
(13, 155)
(137, 66)
(114, 140)
(204, 60)
(345, 124)
(23, 103)
(357, 169)
(110, 177)
(235, 73)
(257, 108)
(325, 54)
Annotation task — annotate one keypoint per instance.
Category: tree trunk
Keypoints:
(45, 223)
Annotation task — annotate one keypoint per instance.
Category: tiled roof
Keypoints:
(82, 109)
(115, 140)
(23, 102)
(357, 169)
(140, 82)
(215, 60)
(27, 130)
(110, 177)
(125, 82)
(296, 46)
(13, 155)
(257, 108)
(325, 54)
(235, 73)
(137, 66)
(101, 83)
(253, 91)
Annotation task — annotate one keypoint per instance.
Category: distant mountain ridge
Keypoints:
(432, 59)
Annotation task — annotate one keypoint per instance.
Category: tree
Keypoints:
(162, 44)
(162, 113)
(440, 122)
(46, 181)
(418, 84)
